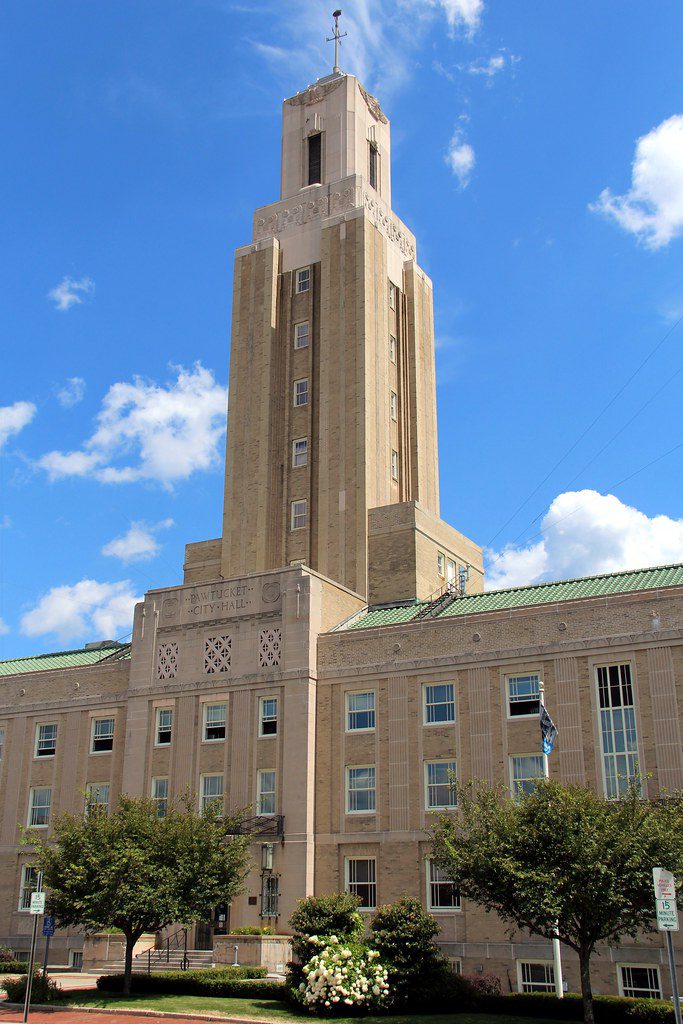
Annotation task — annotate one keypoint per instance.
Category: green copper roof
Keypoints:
(64, 659)
(520, 597)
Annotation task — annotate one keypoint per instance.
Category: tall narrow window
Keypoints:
(394, 465)
(46, 740)
(214, 722)
(29, 884)
(315, 159)
(267, 716)
(301, 334)
(361, 880)
(441, 563)
(265, 792)
(617, 728)
(164, 729)
(160, 795)
(270, 896)
(2, 741)
(392, 348)
(374, 164)
(392, 295)
(299, 514)
(394, 405)
(300, 452)
(102, 735)
(211, 798)
(39, 803)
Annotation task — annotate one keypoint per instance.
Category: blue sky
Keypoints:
(537, 156)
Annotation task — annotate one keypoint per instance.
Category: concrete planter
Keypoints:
(102, 948)
(271, 951)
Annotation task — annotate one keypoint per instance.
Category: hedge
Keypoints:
(607, 1009)
(13, 967)
(209, 982)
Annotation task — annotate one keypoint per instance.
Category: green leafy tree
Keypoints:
(403, 935)
(137, 872)
(336, 914)
(562, 855)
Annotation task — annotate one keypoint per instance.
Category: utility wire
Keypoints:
(587, 429)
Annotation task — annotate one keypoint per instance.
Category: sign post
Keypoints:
(667, 921)
(37, 908)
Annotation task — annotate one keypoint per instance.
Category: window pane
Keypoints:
(268, 716)
(360, 795)
(39, 813)
(362, 881)
(301, 334)
(160, 796)
(214, 721)
(265, 803)
(523, 695)
(439, 703)
(526, 768)
(46, 742)
(360, 711)
(537, 977)
(440, 791)
(314, 159)
(443, 893)
(212, 793)
(103, 734)
(618, 736)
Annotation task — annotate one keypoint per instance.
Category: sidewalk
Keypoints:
(95, 1015)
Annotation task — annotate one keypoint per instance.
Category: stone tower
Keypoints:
(332, 446)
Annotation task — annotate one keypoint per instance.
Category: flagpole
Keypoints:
(557, 954)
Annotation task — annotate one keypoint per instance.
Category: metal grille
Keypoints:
(167, 661)
(270, 647)
(217, 654)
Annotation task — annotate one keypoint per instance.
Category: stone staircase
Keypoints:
(163, 960)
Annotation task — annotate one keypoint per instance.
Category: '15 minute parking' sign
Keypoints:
(665, 899)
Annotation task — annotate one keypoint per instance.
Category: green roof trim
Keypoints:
(80, 658)
(521, 597)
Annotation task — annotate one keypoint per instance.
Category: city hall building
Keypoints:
(333, 656)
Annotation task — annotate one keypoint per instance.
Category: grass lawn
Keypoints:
(269, 1009)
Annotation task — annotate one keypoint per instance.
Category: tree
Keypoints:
(403, 935)
(564, 856)
(138, 872)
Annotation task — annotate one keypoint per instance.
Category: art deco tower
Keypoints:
(332, 445)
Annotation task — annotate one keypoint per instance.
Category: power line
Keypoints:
(587, 430)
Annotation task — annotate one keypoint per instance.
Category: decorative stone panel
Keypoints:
(270, 647)
(217, 654)
(167, 660)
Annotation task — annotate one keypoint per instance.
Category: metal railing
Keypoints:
(176, 941)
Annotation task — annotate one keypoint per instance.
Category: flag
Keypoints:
(548, 731)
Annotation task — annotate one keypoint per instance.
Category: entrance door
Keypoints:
(204, 935)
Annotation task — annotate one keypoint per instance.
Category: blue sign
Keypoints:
(48, 926)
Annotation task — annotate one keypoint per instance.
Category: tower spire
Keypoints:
(336, 38)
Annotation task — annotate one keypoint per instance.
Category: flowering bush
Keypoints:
(339, 976)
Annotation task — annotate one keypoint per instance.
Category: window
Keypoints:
(394, 405)
(392, 348)
(211, 798)
(29, 882)
(523, 695)
(97, 793)
(299, 514)
(439, 703)
(303, 280)
(442, 893)
(392, 295)
(618, 737)
(300, 452)
(439, 789)
(360, 711)
(270, 896)
(315, 159)
(46, 740)
(301, 335)
(374, 164)
(360, 790)
(102, 735)
(160, 796)
(361, 880)
(164, 728)
(267, 716)
(639, 982)
(214, 722)
(536, 976)
(2, 741)
(39, 802)
(301, 392)
(441, 563)
(265, 792)
(450, 570)
(524, 770)
(394, 465)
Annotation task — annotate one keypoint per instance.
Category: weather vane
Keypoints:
(337, 37)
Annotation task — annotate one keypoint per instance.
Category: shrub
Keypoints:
(483, 984)
(403, 934)
(253, 930)
(13, 967)
(210, 982)
(43, 989)
(336, 914)
(340, 976)
(6, 954)
(607, 1009)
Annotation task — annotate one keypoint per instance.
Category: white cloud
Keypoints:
(4, 628)
(460, 157)
(70, 293)
(84, 610)
(71, 392)
(139, 543)
(147, 431)
(586, 533)
(652, 209)
(14, 418)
